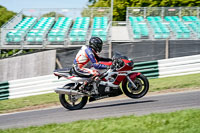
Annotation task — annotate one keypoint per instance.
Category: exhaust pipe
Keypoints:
(67, 91)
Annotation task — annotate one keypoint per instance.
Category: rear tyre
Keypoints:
(142, 87)
(72, 102)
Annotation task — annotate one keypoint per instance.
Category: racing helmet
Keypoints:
(96, 43)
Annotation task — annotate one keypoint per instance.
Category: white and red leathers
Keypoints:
(83, 57)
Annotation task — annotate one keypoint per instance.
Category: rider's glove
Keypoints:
(112, 66)
(108, 67)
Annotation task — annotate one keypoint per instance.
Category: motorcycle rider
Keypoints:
(89, 54)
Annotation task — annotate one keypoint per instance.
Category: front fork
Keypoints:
(131, 77)
(133, 84)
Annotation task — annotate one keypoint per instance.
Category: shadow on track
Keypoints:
(119, 104)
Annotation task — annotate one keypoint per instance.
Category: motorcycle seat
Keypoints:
(79, 74)
(64, 70)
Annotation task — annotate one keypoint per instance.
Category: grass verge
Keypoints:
(179, 82)
(186, 121)
(28, 102)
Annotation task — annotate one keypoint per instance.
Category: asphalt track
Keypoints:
(149, 104)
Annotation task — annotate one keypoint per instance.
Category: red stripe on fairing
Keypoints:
(70, 77)
(56, 74)
(106, 63)
(119, 79)
(134, 75)
(103, 79)
(126, 61)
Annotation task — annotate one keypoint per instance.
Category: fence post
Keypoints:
(162, 12)
(145, 12)
(110, 50)
(167, 49)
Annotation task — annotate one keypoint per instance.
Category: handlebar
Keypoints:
(117, 63)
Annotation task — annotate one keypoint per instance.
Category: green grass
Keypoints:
(11, 104)
(188, 81)
(186, 121)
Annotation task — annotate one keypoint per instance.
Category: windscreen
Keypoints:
(118, 55)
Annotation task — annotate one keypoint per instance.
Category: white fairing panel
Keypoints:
(78, 79)
(81, 79)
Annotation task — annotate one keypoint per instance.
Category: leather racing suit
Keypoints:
(83, 57)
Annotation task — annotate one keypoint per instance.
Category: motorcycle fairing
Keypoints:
(133, 75)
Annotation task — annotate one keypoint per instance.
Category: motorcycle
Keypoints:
(115, 81)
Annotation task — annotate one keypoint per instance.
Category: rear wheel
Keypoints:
(72, 102)
(142, 87)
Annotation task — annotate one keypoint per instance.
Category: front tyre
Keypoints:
(72, 102)
(142, 87)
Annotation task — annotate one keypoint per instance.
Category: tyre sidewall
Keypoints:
(135, 96)
(65, 104)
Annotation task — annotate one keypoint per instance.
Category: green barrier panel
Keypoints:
(145, 67)
(4, 90)
(146, 63)
(4, 84)
(156, 74)
(4, 95)
(148, 70)
(3, 98)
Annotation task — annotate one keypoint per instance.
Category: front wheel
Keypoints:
(142, 87)
(72, 102)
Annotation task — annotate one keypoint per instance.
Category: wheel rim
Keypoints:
(73, 100)
(140, 86)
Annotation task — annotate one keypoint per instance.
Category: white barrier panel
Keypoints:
(179, 74)
(35, 86)
(176, 63)
(178, 69)
(179, 66)
(179, 59)
(33, 79)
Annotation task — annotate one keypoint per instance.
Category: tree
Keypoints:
(119, 11)
(92, 1)
(5, 15)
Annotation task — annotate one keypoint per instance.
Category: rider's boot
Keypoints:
(83, 87)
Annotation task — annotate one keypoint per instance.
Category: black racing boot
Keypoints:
(84, 87)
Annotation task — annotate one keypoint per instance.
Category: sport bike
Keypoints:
(115, 81)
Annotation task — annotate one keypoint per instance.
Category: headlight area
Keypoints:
(131, 64)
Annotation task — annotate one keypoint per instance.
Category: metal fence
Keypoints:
(162, 11)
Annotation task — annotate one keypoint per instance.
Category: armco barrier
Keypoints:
(151, 69)
(4, 90)
(169, 67)
(30, 86)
